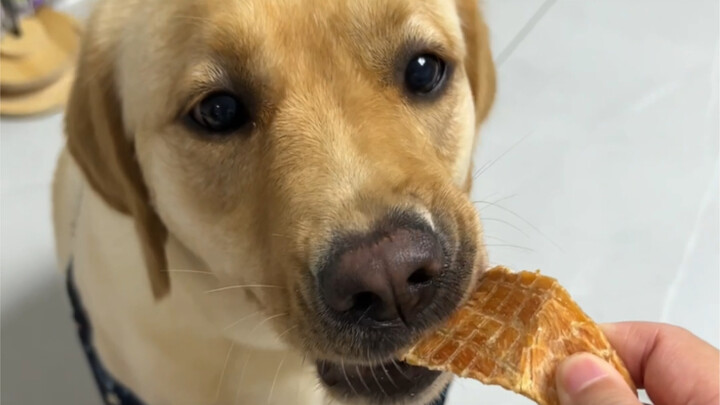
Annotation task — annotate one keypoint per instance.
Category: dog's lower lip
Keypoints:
(389, 380)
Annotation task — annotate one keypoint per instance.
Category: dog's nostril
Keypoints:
(363, 301)
(419, 277)
(382, 278)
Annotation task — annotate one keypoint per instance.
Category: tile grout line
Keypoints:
(524, 32)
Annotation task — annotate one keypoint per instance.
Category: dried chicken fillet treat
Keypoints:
(514, 331)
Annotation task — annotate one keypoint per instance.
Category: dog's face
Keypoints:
(321, 148)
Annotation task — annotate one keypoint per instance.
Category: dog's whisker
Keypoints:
(240, 378)
(510, 246)
(362, 315)
(362, 379)
(501, 240)
(297, 390)
(489, 196)
(207, 273)
(324, 365)
(388, 376)
(372, 372)
(510, 224)
(513, 213)
(490, 164)
(242, 286)
(285, 333)
(277, 373)
(347, 379)
(232, 325)
(499, 200)
(222, 373)
(265, 321)
(397, 366)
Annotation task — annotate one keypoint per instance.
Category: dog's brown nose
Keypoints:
(384, 278)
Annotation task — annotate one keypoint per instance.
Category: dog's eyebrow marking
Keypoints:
(420, 28)
(208, 72)
(407, 33)
(417, 26)
(201, 79)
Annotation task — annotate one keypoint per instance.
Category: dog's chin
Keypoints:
(394, 382)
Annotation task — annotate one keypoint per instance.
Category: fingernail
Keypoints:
(580, 371)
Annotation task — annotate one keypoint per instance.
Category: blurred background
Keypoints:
(599, 165)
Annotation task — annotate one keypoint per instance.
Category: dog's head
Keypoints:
(318, 148)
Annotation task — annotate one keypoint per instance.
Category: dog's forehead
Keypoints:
(289, 13)
(186, 44)
(305, 25)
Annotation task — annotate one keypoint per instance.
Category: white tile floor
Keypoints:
(601, 161)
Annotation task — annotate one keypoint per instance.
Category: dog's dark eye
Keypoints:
(424, 73)
(220, 112)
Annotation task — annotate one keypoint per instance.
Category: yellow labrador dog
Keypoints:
(265, 202)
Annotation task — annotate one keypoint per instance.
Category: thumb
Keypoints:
(584, 379)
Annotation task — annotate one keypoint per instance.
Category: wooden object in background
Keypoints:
(36, 68)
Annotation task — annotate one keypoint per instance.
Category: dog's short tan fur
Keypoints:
(334, 144)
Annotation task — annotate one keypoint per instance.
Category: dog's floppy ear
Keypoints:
(479, 64)
(98, 142)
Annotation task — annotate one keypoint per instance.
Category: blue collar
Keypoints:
(112, 391)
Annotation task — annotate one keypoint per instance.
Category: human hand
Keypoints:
(674, 366)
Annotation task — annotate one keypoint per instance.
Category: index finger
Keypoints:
(673, 365)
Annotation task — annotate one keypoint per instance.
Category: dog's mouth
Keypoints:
(368, 304)
(383, 382)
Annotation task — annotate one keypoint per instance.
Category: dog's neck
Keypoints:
(170, 351)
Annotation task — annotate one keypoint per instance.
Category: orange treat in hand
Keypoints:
(513, 331)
